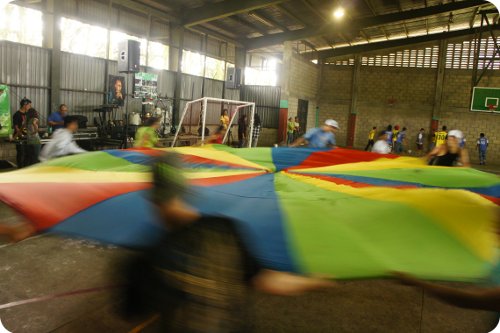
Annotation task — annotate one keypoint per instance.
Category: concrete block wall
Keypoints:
(268, 137)
(395, 96)
(412, 92)
(334, 97)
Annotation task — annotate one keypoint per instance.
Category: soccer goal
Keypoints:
(202, 117)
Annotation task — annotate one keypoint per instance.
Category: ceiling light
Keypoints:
(339, 13)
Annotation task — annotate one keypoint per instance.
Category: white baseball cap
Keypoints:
(332, 123)
(456, 133)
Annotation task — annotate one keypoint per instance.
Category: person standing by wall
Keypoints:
(296, 129)
(19, 124)
(389, 135)
(242, 130)
(440, 137)
(482, 146)
(395, 133)
(400, 141)
(224, 119)
(371, 139)
(256, 129)
(32, 137)
(290, 131)
(420, 142)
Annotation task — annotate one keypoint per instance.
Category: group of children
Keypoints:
(391, 140)
(446, 148)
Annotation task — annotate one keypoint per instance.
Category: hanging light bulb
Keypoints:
(339, 13)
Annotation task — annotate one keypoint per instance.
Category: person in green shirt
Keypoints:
(147, 136)
(289, 131)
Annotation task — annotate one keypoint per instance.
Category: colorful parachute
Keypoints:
(339, 212)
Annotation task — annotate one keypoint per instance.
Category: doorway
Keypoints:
(302, 114)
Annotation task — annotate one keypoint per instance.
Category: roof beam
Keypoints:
(269, 19)
(210, 12)
(255, 43)
(374, 12)
(148, 10)
(291, 15)
(215, 34)
(250, 25)
(343, 51)
(473, 18)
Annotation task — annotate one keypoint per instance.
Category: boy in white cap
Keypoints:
(320, 137)
(450, 153)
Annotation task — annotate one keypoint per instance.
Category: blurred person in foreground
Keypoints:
(62, 143)
(381, 146)
(218, 136)
(450, 153)
(196, 278)
(321, 137)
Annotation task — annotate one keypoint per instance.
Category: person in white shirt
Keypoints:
(62, 143)
(381, 146)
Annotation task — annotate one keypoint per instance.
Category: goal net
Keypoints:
(201, 118)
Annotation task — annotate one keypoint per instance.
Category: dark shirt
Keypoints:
(448, 159)
(256, 120)
(196, 278)
(242, 125)
(19, 119)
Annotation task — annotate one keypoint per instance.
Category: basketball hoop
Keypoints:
(492, 107)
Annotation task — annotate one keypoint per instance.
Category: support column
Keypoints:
(285, 91)
(351, 127)
(52, 40)
(108, 46)
(436, 111)
(240, 62)
(175, 63)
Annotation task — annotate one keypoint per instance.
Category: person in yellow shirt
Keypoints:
(395, 133)
(224, 119)
(440, 137)
(371, 139)
(146, 136)
(290, 130)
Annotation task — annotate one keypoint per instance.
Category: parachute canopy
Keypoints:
(345, 213)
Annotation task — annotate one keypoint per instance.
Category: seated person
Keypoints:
(450, 153)
(147, 136)
(62, 143)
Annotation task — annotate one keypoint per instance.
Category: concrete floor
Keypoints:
(48, 265)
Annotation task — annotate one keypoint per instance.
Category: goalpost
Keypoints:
(207, 111)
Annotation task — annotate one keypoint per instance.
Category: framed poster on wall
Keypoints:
(116, 90)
